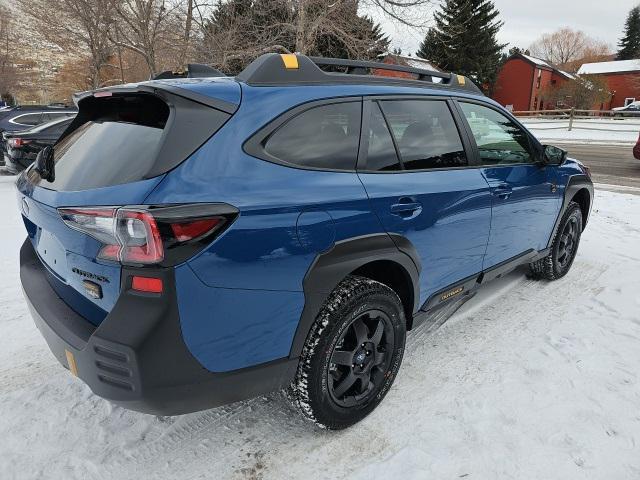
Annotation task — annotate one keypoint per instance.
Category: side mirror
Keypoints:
(45, 164)
(554, 155)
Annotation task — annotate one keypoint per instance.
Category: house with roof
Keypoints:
(396, 59)
(523, 81)
(622, 78)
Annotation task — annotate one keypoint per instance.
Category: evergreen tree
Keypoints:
(630, 43)
(464, 40)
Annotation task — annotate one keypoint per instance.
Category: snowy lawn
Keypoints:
(531, 380)
(597, 130)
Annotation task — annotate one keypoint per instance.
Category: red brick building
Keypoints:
(522, 81)
(622, 77)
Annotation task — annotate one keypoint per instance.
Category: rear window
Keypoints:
(103, 153)
(129, 137)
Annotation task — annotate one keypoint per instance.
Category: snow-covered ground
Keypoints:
(597, 130)
(531, 380)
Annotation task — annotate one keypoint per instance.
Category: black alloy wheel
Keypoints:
(361, 358)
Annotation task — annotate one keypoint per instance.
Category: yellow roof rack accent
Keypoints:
(290, 60)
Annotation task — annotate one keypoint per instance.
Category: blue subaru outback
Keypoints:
(197, 241)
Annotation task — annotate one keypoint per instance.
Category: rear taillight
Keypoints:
(150, 235)
(17, 142)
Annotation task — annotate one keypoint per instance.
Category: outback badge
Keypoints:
(93, 289)
(451, 293)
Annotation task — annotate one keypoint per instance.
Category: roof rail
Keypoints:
(293, 69)
(193, 70)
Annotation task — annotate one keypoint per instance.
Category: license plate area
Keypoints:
(52, 253)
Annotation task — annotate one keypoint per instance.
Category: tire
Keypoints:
(337, 395)
(563, 248)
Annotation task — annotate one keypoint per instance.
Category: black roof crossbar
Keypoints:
(290, 69)
(362, 67)
(193, 70)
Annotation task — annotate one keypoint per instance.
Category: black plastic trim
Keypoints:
(137, 357)
(467, 284)
(472, 282)
(574, 185)
(156, 87)
(511, 264)
(330, 268)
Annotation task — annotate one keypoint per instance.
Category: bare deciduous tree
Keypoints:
(239, 30)
(7, 71)
(566, 47)
(584, 93)
(142, 26)
(74, 25)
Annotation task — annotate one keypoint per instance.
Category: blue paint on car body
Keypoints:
(242, 291)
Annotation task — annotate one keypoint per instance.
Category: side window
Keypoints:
(426, 134)
(381, 155)
(324, 137)
(28, 119)
(499, 140)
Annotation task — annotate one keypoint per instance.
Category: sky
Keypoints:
(525, 20)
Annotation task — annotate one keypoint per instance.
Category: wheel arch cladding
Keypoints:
(580, 189)
(375, 256)
(394, 276)
(583, 199)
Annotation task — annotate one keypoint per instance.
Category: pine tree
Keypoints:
(630, 43)
(464, 40)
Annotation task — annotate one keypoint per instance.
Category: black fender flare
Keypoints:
(329, 268)
(574, 185)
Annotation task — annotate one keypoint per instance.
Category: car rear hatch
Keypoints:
(118, 148)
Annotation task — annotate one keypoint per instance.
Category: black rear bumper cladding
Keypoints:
(137, 358)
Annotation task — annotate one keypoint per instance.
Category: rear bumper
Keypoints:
(137, 358)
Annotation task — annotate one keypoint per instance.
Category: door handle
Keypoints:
(406, 208)
(502, 191)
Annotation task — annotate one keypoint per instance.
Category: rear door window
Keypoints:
(381, 156)
(324, 137)
(425, 133)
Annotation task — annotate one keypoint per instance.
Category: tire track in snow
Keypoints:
(221, 433)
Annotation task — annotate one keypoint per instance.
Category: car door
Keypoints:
(525, 198)
(415, 168)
